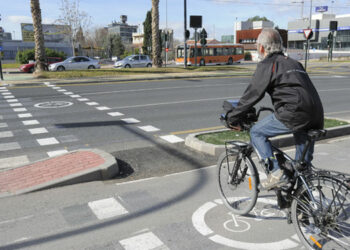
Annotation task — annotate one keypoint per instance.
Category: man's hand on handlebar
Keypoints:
(236, 128)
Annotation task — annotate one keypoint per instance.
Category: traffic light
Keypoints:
(187, 34)
(330, 39)
(203, 36)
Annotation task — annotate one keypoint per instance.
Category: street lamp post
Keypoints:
(185, 29)
(308, 40)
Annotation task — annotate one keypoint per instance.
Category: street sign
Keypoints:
(308, 33)
(0, 48)
(321, 8)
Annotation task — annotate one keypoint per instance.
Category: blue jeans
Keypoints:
(269, 127)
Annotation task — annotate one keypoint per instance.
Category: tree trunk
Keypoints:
(38, 36)
(156, 49)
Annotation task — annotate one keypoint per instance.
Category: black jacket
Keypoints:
(294, 97)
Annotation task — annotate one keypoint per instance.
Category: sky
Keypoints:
(218, 16)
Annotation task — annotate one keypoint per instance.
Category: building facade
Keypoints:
(123, 29)
(228, 39)
(320, 25)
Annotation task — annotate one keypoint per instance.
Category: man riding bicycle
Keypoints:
(297, 105)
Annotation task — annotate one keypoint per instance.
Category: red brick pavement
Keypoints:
(48, 170)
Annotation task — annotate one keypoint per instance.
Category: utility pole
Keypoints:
(1, 37)
(308, 40)
(185, 30)
(166, 32)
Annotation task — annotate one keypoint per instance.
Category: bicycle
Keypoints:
(318, 201)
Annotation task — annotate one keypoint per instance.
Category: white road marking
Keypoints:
(103, 108)
(178, 102)
(6, 93)
(83, 99)
(47, 141)
(92, 103)
(30, 122)
(20, 109)
(172, 138)
(75, 96)
(115, 114)
(9, 146)
(6, 134)
(107, 208)
(26, 115)
(2, 87)
(9, 96)
(1, 117)
(13, 161)
(146, 241)
(61, 90)
(198, 218)
(35, 131)
(3, 125)
(56, 87)
(16, 104)
(130, 120)
(57, 152)
(12, 100)
(149, 128)
(68, 93)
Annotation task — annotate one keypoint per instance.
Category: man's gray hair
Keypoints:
(271, 40)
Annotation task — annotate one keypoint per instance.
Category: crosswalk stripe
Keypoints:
(9, 96)
(172, 138)
(149, 128)
(61, 90)
(92, 103)
(9, 146)
(20, 109)
(47, 141)
(6, 93)
(11, 162)
(6, 134)
(68, 93)
(145, 241)
(115, 114)
(103, 108)
(57, 152)
(26, 115)
(130, 120)
(30, 122)
(16, 104)
(75, 96)
(3, 125)
(12, 100)
(107, 208)
(83, 99)
(35, 131)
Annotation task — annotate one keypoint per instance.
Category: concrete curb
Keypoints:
(104, 171)
(280, 141)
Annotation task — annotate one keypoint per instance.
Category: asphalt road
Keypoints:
(91, 115)
(176, 211)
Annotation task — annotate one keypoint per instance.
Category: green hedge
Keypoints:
(23, 56)
(247, 56)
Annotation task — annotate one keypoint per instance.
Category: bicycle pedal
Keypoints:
(289, 218)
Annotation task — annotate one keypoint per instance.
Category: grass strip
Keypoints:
(219, 138)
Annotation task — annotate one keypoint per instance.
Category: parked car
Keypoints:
(134, 61)
(29, 67)
(75, 62)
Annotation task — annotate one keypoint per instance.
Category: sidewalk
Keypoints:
(74, 167)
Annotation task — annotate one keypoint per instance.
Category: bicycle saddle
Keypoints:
(316, 133)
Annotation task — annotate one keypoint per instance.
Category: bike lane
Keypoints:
(176, 211)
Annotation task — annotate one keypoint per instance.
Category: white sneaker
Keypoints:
(275, 179)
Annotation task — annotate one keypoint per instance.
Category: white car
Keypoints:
(75, 62)
(134, 61)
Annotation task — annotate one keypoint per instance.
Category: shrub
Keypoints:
(29, 54)
(247, 56)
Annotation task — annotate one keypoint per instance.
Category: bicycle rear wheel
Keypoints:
(325, 223)
(237, 182)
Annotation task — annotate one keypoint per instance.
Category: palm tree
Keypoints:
(38, 36)
(156, 48)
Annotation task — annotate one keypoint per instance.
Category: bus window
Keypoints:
(239, 51)
(180, 53)
(209, 52)
(227, 51)
(219, 52)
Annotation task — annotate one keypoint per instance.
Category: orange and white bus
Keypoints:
(211, 54)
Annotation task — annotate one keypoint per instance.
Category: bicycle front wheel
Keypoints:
(237, 182)
(323, 222)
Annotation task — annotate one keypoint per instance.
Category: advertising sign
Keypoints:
(52, 33)
(321, 8)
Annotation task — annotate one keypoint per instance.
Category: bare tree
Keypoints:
(74, 19)
(38, 37)
(156, 47)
